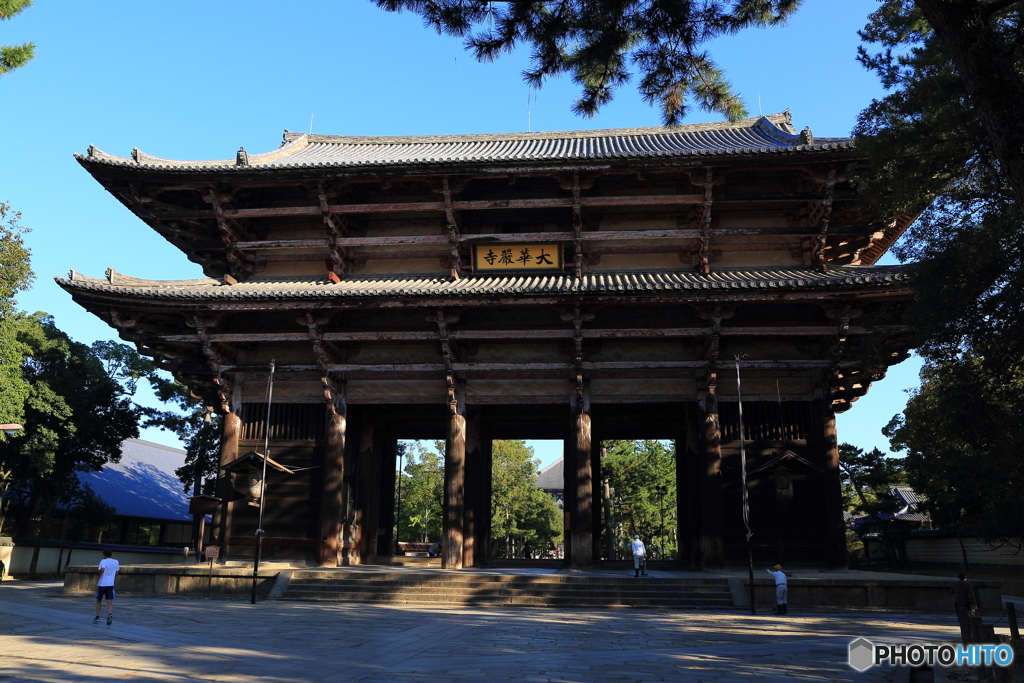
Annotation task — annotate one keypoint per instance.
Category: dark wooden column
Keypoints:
(581, 510)
(688, 486)
(365, 496)
(712, 517)
(388, 479)
(221, 532)
(372, 526)
(597, 516)
(476, 506)
(454, 491)
(832, 497)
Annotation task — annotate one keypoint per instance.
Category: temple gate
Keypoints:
(582, 286)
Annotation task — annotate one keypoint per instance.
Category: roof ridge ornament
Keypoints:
(806, 136)
(242, 157)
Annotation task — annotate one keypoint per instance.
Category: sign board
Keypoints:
(518, 256)
(212, 552)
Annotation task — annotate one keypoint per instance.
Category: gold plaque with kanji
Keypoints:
(508, 257)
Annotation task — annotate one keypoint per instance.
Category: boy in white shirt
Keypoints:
(108, 569)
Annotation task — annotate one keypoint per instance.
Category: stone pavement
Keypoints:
(46, 636)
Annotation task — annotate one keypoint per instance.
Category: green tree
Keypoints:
(14, 56)
(866, 480)
(15, 276)
(422, 494)
(599, 42)
(963, 432)
(523, 517)
(78, 412)
(982, 39)
(638, 472)
(930, 155)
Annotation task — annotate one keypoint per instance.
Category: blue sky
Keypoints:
(198, 80)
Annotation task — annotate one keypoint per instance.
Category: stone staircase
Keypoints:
(460, 589)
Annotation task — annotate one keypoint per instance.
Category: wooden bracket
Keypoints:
(230, 233)
(448, 353)
(213, 359)
(577, 226)
(454, 255)
(336, 228)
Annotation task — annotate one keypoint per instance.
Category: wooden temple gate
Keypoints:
(582, 286)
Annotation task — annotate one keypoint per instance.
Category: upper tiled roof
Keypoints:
(756, 136)
(520, 285)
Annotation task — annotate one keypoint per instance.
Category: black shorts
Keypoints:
(104, 592)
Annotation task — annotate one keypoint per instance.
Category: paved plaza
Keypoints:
(47, 636)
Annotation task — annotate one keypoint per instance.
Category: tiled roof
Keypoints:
(552, 476)
(143, 483)
(756, 136)
(520, 285)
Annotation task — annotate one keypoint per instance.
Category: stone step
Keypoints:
(482, 589)
(504, 590)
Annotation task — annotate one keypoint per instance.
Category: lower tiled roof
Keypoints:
(523, 285)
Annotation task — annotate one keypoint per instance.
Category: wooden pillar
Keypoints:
(372, 526)
(832, 496)
(221, 532)
(476, 506)
(581, 510)
(365, 496)
(454, 492)
(712, 514)
(388, 479)
(331, 510)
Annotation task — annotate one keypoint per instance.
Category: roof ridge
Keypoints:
(776, 121)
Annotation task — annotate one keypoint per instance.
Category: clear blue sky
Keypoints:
(197, 80)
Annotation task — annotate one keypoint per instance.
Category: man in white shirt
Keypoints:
(108, 569)
(781, 589)
(639, 555)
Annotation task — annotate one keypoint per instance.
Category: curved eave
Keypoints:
(213, 292)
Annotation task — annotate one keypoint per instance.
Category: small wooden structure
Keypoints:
(580, 285)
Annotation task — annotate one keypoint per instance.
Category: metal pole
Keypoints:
(398, 517)
(263, 485)
(743, 474)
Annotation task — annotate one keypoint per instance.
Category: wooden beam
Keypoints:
(656, 334)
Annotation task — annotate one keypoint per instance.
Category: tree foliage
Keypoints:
(78, 412)
(599, 43)
(14, 56)
(963, 432)
(422, 493)
(930, 155)
(525, 521)
(638, 472)
(867, 478)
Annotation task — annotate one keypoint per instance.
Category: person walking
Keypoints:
(639, 556)
(108, 569)
(781, 589)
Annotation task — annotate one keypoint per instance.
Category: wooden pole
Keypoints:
(331, 510)
(454, 492)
